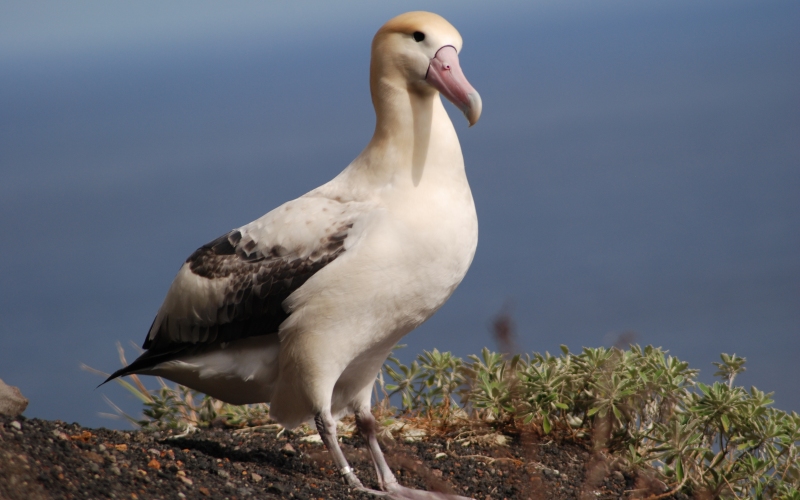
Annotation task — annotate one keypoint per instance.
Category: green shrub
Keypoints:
(643, 405)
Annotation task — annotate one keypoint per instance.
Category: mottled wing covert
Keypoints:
(250, 285)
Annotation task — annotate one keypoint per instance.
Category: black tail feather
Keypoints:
(151, 359)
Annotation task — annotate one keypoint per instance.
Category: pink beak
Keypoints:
(445, 74)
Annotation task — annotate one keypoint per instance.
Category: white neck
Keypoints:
(414, 139)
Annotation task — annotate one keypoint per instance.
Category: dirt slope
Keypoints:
(51, 459)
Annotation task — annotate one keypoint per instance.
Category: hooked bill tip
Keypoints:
(473, 111)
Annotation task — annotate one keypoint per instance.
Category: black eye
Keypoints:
(419, 36)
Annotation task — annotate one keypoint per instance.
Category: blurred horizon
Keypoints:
(636, 169)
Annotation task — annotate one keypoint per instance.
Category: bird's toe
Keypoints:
(398, 492)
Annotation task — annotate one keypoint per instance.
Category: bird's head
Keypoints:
(420, 51)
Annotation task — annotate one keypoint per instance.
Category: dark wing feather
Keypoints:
(257, 284)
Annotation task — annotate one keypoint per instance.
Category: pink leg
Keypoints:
(368, 427)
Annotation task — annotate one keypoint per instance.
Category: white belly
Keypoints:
(347, 318)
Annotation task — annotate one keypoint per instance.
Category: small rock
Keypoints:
(255, 477)
(440, 456)
(617, 475)
(16, 425)
(288, 450)
(223, 473)
(275, 488)
(84, 436)
(185, 480)
(12, 402)
(115, 470)
(313, 438)
(94, 467)
(154, 464)
(550, 472)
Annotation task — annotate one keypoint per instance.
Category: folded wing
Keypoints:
(233, 287)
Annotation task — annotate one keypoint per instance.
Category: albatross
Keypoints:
(301, 307)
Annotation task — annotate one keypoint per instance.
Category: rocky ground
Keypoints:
(52, 459)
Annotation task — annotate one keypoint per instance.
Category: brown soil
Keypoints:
(51, 459)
